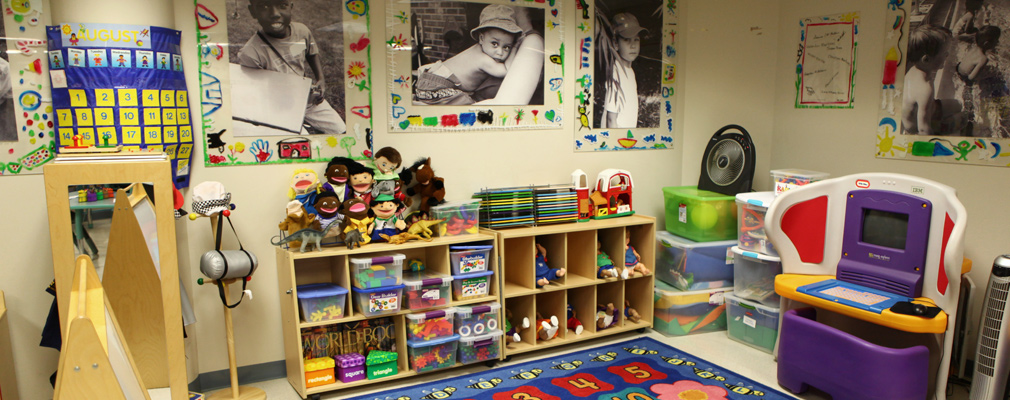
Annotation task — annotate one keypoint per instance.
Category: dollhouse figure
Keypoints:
(604, 265)
(544, 273)
(632, 260)
(573, 322)
(512, 330)
(547, 329)
(606, 316)
(630, 313)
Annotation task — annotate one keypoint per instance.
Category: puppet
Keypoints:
(544, 273)
(386, 222)
(430, 187)
(337, 174)
(297, 219)
(303, 187)
(328, 209)
(355, 225)
(387, 160)
(361, 182)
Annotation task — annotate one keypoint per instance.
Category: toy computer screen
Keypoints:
(884, 228)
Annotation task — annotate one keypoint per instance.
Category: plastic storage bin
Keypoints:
(460, 218)
(350, 367)
(321, 301)
(380, 364)
(468, 259)
(378, 301)
(681, 313)
(469, 286)
(786, 179)
(752, 323)
(431, 324)
(754, 276)
(426, 289)
(690, 265)
(319, 371)
(367, 273)
(699, 215)
(428, 355)
(480, 348)
(751, 211)
(477, 320)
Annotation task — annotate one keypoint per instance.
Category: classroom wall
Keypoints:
(725, 77)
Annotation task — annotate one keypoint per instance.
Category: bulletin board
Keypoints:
(259, 109)
(434, 42)
(600, 86)
(121, 85)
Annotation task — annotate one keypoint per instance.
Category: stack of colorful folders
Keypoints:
(555, 204)
(506, 207)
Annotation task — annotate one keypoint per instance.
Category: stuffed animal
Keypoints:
(632, 260)
(606, 316)
(544, 273)
(547, 328)
(630, 313)
(361, 180)
(337, 175)
(354, 229)
(303, 187)
(430, 187)
(512, 330)
(573, 322)
(297, 219)
(386, 161)
(604, 265)
(328, 210)
(385, 221)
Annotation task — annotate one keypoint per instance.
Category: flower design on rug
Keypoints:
(688, 390)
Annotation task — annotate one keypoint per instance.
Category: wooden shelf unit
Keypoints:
(573, 246)
(332, 265)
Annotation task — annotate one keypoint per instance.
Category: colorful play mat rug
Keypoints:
(638, 369)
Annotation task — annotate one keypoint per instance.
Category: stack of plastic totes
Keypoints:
(430, 326)
(381, 364)
(377, 276)
(350, 367)
(477, 320)
(426, 290)
(479, 348)
(433, 354)
(319, 371)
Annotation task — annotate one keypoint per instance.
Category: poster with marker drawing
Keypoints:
(826, 64)
(625, 75)
(474, 65)
(284, 81)
(944, 91)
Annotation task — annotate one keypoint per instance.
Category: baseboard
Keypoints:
(210, 381)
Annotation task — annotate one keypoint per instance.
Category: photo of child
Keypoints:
(303, 38)
(956, 69)
(628, 64)
(465, 51)
(8, 130)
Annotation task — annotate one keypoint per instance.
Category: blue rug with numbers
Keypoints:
(638, 369)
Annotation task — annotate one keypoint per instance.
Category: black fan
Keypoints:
(728, 164)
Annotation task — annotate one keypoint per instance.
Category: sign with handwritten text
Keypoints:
(826, 66)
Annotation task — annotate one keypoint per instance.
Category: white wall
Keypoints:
(726, 76)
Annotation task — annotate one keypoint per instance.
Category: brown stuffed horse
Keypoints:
(429, 187)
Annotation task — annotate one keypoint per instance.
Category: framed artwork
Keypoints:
(27, 134)
(284, 81)
(473, 65)
(945, 95)
(826, 61)
(625, 75)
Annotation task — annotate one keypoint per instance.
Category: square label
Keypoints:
(64, 117)
(78, 98)
(171, 134)
(185, 134)
(168, 98)
(152, 116)
(152, 134)
(181, 99)
(128, 116)
(184, 150)
(183, 115)
(168, 116)
(104, 117)
(84, 117)
(105, 98)
(170, 151)
(127, 97)
(87, 136)
(151, 98)
(131, 135)
(67, 136)
(107, 136)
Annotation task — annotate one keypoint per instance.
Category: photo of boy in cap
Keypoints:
(627, 66)
(622, 89)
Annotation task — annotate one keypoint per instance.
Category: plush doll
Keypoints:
(512, 330)
(604, 265)
(361, 181)
(544, 273)
(547, 329)
(606, 316)
(354, 228)
(386, 161)
(297, 219)
(429, 187)
(632, 263)
(386, 222)
(573, 322)
(328, 209)
(630, 313)
(303, 188)
(337, 174)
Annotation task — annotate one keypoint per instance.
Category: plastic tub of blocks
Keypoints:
(754, 276)
(690, 265)
(786, 179)
(424, 289)
(321, 301)
(752, 323)
(378, 301)
(367, 273)
(429, 355)
(480, 348)
(430, 325)
(477, 320)
(460, 218)
(468, 259)
(471, 286)
(751, 209)
(679, 313)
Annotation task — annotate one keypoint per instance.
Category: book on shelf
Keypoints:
(350, 337)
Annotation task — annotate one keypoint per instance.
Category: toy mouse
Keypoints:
(547, 329)
(512, 330)
(386, 222)
(573, 322)
(632, 263)
(544, 273)
(604, 265)
(328, 209)
(337, 175)
(630, 313)
(297, 219)
(354, 228)
(303, 188)
(605, 316)
(430, 187)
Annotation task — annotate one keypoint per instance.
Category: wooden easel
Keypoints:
(95, 361)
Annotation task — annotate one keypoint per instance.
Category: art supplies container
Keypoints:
(690, 265)
(477, 320)
(699, 215)
(470, 286)
(380, 364)
(786, 179)
(679, 313)
(467, 259)
(752, 323)
(321, 301)
(428, 355)
(367, 273)
(423, 289)
(319, 371)
(430, 325)
(754, 276)
(460, 218)
(480, 348)
(378, 301)
(350, 367)
(751, 210)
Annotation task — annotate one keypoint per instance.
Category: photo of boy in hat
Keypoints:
(628, 65)
(622, 89)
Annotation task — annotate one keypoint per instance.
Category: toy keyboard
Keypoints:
(853, 295)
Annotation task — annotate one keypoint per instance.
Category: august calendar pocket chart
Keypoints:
(121, 85)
